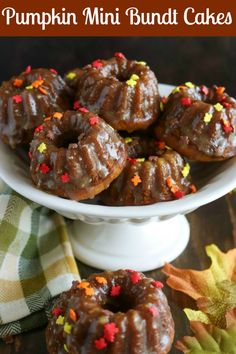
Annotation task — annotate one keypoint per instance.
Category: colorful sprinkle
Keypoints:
(37, 83)
(128, 140)
(204, 90)
(185, 171)
(133, 80)
(115, 290)
(83, 110)
(160, 144)
(110, 330)
(29, 87)
(178, 194)
(97, 64)
(28, 69)
(93, 120)
(220, 90)
(67, 328)
(227, 127)
(153, 311)
(76, 105)
(30, 155)
(17, 98)
(89, 291)
(207, 117)
(136, 179)
(175, 90)
(100, 343)
(134, 77)
(17, 82)
(57, 311)
(42, 148)
(218, 107)
(83, 285)
(193, 188)
(101, 280)
(43, 168)
(43, 91)
(53, 71)
(141, 63)
(38, 129)
(65, 178)
(186, 101)
(227, 104)
(157, 284)
(60, 320)
(119, 55)
(73, 315)
(189, 84)
(57, 115)
(140, 159)
(71, 76)
(161, 106)
(132, 161)
(135, 277)
(66, 348)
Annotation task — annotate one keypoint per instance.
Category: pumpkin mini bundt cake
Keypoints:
(199, 122)
(26, 99)
(76, 155)
(120, 312)
(153, 173)
(123, 92)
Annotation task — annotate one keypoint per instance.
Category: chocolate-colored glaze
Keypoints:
(104, 90)
(18, 120)
(139, 330)
(91, 155)
(184, 129)
(153, 172)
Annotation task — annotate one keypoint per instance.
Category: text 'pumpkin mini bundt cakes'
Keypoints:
(76, 155)
(153, 173)
(26, 99)
(123, 92)
(120, 312)
(199, 122)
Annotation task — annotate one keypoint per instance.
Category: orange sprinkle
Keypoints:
(169, 182)
(136, 180)
(42, 90)
(89, 291)
(220, 90)
(18, 82)
(101, 280)
(47, 119)
(73, 315)
(83, 285)
(57, 115)
(193, 188)
(37, 83)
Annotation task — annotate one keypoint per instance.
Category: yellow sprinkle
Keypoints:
(167, 147)
(185, 171)
(140, 159)
(67, 328)
(218, 107)
(134, 77)
(161, 106)
(189, 84)
(131, 83)
(29, 87)
(142, 63)
(60, 320)
(70, 76)
(128, 140)
(175, 90)
(207, 118)
(66, 348)
(42, 147)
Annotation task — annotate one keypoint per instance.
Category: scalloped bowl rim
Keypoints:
(221, 184)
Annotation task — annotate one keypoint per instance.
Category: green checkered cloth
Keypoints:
(36, 262)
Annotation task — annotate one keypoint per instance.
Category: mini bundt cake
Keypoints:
(153, 173)
(76, 155)
(123, 92)
(120, 312)
(26, 99)
(199, 122)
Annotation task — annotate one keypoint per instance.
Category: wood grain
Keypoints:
(213, 223)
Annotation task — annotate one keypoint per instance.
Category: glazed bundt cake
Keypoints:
(120, 312)
(76, 155)
(123, 92)
(26, 99)
(153, 173)
(199, 122)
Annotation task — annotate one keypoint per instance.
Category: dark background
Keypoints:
(208, 60)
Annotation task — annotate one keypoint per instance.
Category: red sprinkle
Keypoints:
(83, 109)
(157, 284)
(115, 290)
(44, 168)
(65, 178)
(160, 144)
(204, 90)
(227, 104)
(135, 277)
(17, 98)
(28, 69)
(53, 71)
(227, 127)
(186, 101)
(153, 311)
(57, 311)
(76, 105)
(110, 330)
(100, 343)
(119, 55)
(178, 194)
(132, 161)
(164, 99)
(93, 120)
(30, 155)
(38, 129)
(97, 64)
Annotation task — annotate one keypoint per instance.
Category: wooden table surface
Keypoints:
(213, 223)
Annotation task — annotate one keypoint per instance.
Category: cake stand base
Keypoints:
(140, 246)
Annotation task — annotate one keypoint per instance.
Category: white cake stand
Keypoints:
(141, 238)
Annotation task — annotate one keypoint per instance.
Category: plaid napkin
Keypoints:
(36, 262)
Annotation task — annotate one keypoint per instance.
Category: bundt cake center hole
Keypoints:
(65, 139)
(119, 304)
